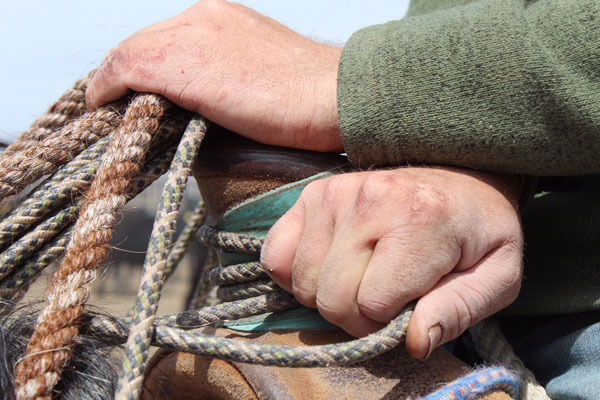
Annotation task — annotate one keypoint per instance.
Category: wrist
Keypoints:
(329, 137)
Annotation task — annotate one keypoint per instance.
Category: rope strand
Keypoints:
(492, 346)
(56, 149)
(49, 348)
(69, 106)
(155, 266)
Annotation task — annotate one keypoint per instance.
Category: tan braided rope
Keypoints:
(13, 285)
(65, 185)
(50, 346)
(73, 179)
(56, 149)
(69, 106)
(154, 272)
(492, 346)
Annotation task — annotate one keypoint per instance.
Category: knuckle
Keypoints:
(310, 192)
(116, 58)
(209, 5)
(514, 242)
(428, 205)
(373, 192)
(294, 215)
(133, 61)
(374, 188)
(334, 189)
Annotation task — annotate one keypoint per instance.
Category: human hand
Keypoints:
(360, 246)
(236, 67)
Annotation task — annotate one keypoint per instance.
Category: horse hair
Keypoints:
(91, 374)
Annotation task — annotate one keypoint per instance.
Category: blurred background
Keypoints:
(47, 45)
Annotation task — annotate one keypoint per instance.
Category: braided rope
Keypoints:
(74, 178)
(25, 247)
(492, 346)
(55, 149)
(15, 285)
(18, 280)
(246, 289)
(194, 222)
(28, 245)
(49, 348)
(237, 273)
(63, 186)
(234, 310)
(230, 241)
(69, 106)
(154, 271)
(346, 353)
(476, 384)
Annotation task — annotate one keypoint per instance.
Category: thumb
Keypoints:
(461, 299)
(279, 248)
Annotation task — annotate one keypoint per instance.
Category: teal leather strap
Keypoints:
(255, 217)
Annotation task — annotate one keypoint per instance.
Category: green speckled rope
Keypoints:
(72, 178)
(35, 262)
(193, 223)
(155, 265)
(171, 331)
(12, 274)
(179, 339)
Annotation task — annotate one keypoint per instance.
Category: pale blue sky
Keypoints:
(47, 45)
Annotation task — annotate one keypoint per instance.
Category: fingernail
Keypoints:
(435, 336)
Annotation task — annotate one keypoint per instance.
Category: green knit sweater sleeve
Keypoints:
(501, 85)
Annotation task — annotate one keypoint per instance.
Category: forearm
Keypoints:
(492, 84)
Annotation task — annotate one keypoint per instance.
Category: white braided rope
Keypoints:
(492, 346)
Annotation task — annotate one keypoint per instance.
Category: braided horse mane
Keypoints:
(85, 167)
